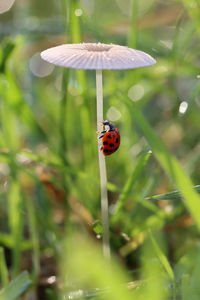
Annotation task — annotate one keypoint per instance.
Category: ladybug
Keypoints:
(110, 139)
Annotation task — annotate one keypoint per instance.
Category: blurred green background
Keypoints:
(50, 216)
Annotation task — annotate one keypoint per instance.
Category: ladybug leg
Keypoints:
(104, 131)
(99, 132)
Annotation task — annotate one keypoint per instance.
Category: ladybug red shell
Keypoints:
(110, 139)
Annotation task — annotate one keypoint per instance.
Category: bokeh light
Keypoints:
(88, 6)
(136, 92)
(78, 12)
(113, 114)
(39, 67)
(183, 107)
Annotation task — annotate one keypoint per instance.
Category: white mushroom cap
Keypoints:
(5, 5)
(96, 56)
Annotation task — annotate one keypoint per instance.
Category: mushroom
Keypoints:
(5, 5)
(98, 56)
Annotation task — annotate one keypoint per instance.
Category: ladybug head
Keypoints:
(107, 123)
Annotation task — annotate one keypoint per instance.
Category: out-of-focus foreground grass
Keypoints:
(50, 222)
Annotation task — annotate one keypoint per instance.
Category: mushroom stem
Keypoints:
(102, 168)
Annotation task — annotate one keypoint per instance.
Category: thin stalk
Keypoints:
(34, 236)
(65, 82)
(62, 117)
(102, 168)
(133, 34)
(3, 269)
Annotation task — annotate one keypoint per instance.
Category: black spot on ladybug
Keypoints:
(109, 136)
(113, 135)
(105, 143)
(117, 140)
(111, 145)
(116, 148)
(106, 150)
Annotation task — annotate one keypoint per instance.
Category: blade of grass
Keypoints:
(86, 136)
(129, 185)
(175, 195)
(74, 22)
(9, 122)
(194, 12)
(66, 6)
(65, 83)
(3, 268)
(7, 241)
(84, 111)
(16, 103)
(63, 115)
(132, 37)
(168, 162)
(34, 235)
(185, 286)
(15, 222)
(155, 283)
(162, 257)
(16, 287)
(165, 263)
(194, 288)
(113, 188)
(75, 34)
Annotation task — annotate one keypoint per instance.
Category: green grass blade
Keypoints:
(194, 289)
(171, 166)
(155, 283)
(7, 241)
(15, 222)
(34, 235)
(194, 13)
(74, 22)
(113, 188)
(132, 37)
(175, 195)
(86, 136)
(16, 287)
(129, 184)
(162, 257)
(3, 268)
(75, 34)
(7, 49)
(185, 286)
(63, 115)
